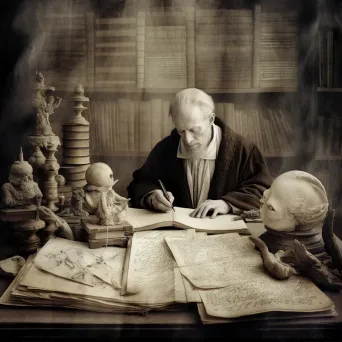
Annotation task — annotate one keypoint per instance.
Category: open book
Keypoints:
(143, 219)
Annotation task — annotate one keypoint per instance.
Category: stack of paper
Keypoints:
(68, 274)
(227, 275)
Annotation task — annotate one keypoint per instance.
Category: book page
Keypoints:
(151, 262)
(180, 295)
(216, 266)
(141, 218)
(75, 261)
(205, 249)
(264, 294)
(221, 223)
(192, 294)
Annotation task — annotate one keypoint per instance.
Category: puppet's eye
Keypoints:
(270, 208)
(111, 176)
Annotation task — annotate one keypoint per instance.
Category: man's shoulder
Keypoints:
(240, 142)
(170, 141)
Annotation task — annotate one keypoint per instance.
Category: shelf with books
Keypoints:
(328, 157)
(208, 90)
(329, 90)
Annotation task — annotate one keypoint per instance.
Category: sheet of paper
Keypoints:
(75, 261)
(264, 294)
(215, 267)
(219, 223)
(204, 250)
(151, 262)
(145, 218)
(192, 294)
(180, 295)
(221, 273)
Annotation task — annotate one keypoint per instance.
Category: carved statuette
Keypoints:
(45, 104)
(294, 207)
(100, 198)
(21, 191)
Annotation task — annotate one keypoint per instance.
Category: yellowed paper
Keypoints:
(221, 223)
(151, 262)
(204, 250)
(264, 294)
(192, 294)
(180, 295)
(75, 261)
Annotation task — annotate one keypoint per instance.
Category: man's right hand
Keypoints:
(158, 201)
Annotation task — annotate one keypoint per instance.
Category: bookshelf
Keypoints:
(326, 133)
(134, 63)
(242, 53)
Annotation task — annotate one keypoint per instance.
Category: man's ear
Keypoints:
(212, 117)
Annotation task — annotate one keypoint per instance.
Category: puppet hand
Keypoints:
(158, 201)
(213, 206)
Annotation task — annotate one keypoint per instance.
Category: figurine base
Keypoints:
(25, 233)
(312, 240)
(90, 224)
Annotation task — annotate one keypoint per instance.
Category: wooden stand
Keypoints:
(25, 232)
(48, 233)
(25, 227)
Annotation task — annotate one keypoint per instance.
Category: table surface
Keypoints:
(59, 323)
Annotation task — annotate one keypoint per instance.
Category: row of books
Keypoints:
(125, 126)
(278, 33)
(211, 49)
(230, 67)
(329, 56)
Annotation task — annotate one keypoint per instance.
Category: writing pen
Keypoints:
(165, 193)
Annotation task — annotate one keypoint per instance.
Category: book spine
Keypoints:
(90, 50)
(190, 46)
(256, 46)
(140, 49)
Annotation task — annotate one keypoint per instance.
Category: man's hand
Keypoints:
(158, 201)
(213, 206)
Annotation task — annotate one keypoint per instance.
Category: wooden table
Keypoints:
(42, 324)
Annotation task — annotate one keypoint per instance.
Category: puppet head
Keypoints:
(296, 201)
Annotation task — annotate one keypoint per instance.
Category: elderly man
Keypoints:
(203, 164)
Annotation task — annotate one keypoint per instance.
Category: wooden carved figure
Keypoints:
(21, 191)
(100, 199)
(44, 103)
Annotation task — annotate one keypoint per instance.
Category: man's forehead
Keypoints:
(189, 112)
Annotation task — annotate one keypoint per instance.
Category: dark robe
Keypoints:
(240, 177)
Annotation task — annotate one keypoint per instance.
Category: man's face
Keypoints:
(194, 127)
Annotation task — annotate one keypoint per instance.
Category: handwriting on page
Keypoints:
(264, 294)
(151, 267)
(207, 249)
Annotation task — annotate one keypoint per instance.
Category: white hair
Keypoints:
(192, 96)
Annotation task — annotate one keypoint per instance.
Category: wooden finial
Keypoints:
(21, 156)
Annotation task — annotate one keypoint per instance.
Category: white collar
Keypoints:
(210, 152)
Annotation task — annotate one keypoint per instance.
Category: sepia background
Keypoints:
(272, 67)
